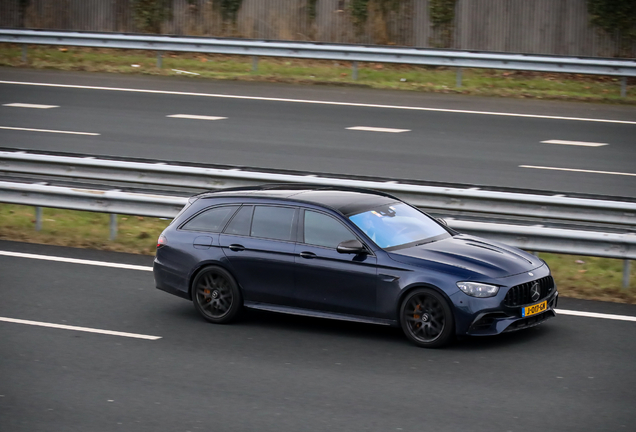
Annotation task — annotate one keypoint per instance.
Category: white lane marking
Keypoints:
(75, 261)
(83, 329)
(47, 130)
(578, 170)
(596, 315)
(377, 129)
(196, 117)
(26, 105)
(575, 143)
(352, 104)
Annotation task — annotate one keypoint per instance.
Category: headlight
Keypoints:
(476, 289)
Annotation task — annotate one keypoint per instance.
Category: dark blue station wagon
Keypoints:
(348, 254)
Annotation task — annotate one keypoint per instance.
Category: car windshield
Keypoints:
(397, 224)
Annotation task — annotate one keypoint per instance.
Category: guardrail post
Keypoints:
(626, 273)
(624, 87)
(254, 64)
(113, 226)
(38, 218)
(354, 71)
(458, 77)
(159, 60)
(24, 53)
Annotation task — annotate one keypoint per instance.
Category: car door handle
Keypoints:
(308, 255)
(237, 247)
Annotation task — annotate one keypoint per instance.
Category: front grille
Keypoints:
(520, 294)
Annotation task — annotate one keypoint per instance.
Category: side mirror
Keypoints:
(351, 247)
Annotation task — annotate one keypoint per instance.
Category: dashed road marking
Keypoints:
(82, 329)
(377, 129)
(196, 117)
(26, 105)
(48, 130)
(575, 143)
(578, 170)
(352, 104)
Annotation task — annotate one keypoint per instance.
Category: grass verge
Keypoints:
(135, 234)
(482, 82)
(579, 277)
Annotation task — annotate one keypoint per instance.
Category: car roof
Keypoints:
(346, 200)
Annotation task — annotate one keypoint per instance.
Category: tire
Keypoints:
(426, 318)
(216, 295)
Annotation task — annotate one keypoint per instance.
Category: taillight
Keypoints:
(161, 241)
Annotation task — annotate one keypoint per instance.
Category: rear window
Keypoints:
(212, 220)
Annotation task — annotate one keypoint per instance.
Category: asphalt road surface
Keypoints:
(280, 373)
(446, 138)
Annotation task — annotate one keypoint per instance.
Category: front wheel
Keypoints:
(216, 295)
(426, 318)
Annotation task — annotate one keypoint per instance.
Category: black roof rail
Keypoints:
(300, 186)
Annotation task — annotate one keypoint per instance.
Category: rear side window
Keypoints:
(323, 230)
(240, 225)
(212, 220)
(273, 222)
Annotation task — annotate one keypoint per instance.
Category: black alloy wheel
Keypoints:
(216, 295)
(426, 318)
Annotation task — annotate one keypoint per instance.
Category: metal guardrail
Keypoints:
(622, 246)
(557, 240)
(590, 212)
(313, 50)
(112, 201)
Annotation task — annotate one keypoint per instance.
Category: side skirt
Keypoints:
(319, 314)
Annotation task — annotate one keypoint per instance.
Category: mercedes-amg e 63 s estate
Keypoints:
(349, 254)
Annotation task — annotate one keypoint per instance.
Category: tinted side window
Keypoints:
(212, 220)
(273, 222)
(240, 225)
(323, 230)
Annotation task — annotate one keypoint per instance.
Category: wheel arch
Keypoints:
(417, 285)
(205, 264)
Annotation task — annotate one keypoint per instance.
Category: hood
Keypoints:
(475, 255)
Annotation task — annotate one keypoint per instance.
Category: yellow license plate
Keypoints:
(534, 309)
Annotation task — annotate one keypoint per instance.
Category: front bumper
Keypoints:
(510, 319)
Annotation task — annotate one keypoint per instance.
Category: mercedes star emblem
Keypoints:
(535, 292)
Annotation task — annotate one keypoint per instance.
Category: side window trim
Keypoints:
(181, 226)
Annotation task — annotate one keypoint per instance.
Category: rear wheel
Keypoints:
(216, 295)
(426, 318)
